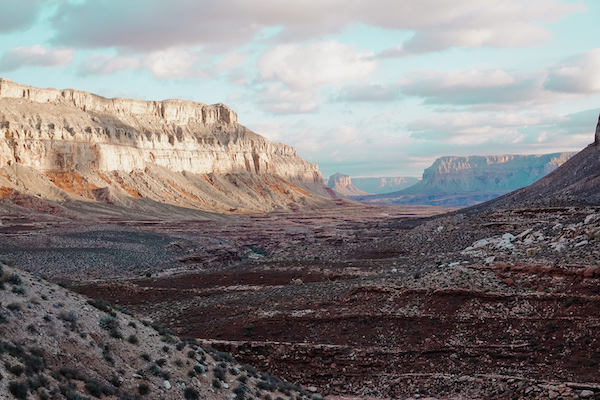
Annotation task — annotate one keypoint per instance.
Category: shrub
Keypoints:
(143, 389)
(191, 394)
(146, 356)
(102, 305)
(217, 384)
(18, 289)
(18, 389)
(133, 339)
(111, 324)
(15, 306)
(191, 354)
(220, 374)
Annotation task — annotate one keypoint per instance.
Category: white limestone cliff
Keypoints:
(49, 129)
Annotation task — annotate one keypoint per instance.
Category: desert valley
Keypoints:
(162, 250)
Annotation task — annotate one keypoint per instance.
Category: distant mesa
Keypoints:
(464, 181)
(69, 145)
(342, 184)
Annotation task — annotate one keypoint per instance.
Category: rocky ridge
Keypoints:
(83, 143)
(464, 181)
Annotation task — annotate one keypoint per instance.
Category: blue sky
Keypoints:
(366, 88)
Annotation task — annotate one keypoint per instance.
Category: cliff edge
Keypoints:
(74, 138)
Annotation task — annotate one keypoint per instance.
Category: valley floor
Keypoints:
(375, 302)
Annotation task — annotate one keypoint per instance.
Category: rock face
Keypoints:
(69, 131)
(460, 181)
(384, 184)
(342, 184)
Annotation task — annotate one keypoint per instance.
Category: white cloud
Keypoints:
(174, 63)
(578, 74)
(305, 66)
(35, 56)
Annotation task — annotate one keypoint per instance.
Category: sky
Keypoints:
(363, 87)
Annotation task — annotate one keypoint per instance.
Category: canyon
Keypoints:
(338, 299)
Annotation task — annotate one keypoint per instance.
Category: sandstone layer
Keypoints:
(74, 138)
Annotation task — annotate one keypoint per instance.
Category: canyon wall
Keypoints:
(62, 130)
(67, 145)
(464, 181)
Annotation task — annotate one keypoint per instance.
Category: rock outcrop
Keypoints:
(50, 132)
(342, 184)
(460, 181)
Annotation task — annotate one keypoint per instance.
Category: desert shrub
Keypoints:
(145, 356)
(166, 349)
(191, 394)
(191, 354)
(14, 279)
(243, 378)
(102, 305)
(111, 324)
(220, 374)
(132, 324)
(18, 289)
(16, 369)
(98, 389)
(15, 306)
(38, 381)
(240, 392)
(217, 384)
(106, 354)
(3, 319)
(223, 356)
(70, 393)
(161, 362)
(18, 389)
(143, 389)
(65, 374)
(180, 346)
(133, 339)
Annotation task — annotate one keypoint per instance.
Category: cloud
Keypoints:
(18, 15)
(532, 132)
(279, 100)
(173, 63)
(101, 64)
(368, 93)
(578, 74)
(305, 66)
(35, 56)
(149, 25)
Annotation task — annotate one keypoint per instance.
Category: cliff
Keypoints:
(52, 132)
(460, 181)
(342, 184)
